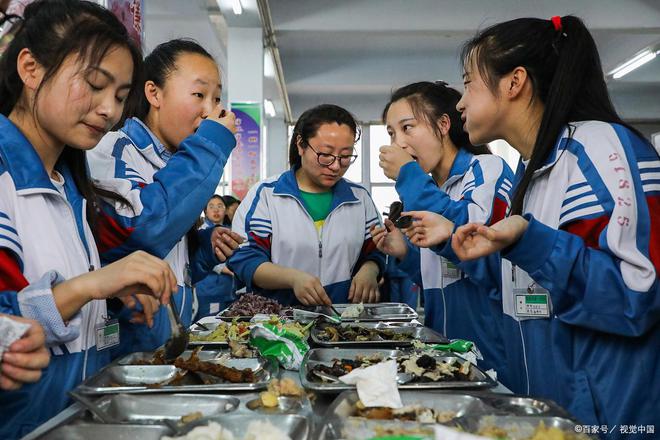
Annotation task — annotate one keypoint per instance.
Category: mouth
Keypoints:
(95, 128)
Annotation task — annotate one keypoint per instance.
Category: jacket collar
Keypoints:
(560, 146)
(22, 161)
(146, 142)
(287, 185)
(460, 166)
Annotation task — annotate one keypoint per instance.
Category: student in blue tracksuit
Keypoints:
(215, 289)
(466, 183)
(64, 81)
(167, 162)
(308, 228)
(584, 232)
(397, 285)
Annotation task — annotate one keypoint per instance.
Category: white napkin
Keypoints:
(11, 331)
(445, 433)
(376, 385)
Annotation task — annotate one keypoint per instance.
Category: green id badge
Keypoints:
(107, 334)
(534, 305)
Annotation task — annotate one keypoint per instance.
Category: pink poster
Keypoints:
(130, 13)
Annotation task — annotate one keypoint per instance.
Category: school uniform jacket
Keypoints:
(44, 240)
(280, 230)
(462, 300)
(165, 203)
(593, 242)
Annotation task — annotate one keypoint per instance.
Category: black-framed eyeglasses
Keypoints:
(327, 159)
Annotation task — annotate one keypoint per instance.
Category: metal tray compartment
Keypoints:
(375, 312)
(132, 408)
(517, 427)
(343, 424)
(423, 334)
(197, 331)
(86, 431)
(122, 377)
(315, 356)
(295, 426)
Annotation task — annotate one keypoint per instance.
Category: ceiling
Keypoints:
(354, 52)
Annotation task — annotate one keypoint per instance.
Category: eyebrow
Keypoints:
(412, 118)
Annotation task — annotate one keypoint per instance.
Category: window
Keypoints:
(506, 152)
(377, 138)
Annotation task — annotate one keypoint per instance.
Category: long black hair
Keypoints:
(160, 63)
(309, 122)
(565, 71)
(52, 30)
(429, 101)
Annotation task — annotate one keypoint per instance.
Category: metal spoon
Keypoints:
(200, 325)
(404, 378)
(325, 376)
(178, 341)
(91, 407)
(303, 315)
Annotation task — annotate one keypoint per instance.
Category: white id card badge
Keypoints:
(450, 273)
(107, 334)
(522, 297)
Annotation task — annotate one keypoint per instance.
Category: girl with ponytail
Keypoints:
(436, 168)
(583, 234)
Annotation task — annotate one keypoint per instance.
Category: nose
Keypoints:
(335, 165)
(110, 109)
(208, 106)
(460, 105)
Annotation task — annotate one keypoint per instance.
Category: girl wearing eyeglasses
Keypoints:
(437, 168)
(308, 228)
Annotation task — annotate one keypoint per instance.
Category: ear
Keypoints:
(153, 93)
(29, 69)
(299, 143)
(444, 124)
(515, 82)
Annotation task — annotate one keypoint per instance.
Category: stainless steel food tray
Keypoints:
(297, 427)
(124, 376)
(151, 408)
(472, 411)
(86, 431)
(375, 312)
(315, 356)
(423, 334)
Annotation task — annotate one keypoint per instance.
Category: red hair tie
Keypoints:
(556, 22)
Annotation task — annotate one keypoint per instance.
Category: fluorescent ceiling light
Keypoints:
(269, 67)
(638, 60)
(237, 7)
(269, 108)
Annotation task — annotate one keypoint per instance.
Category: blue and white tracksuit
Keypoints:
(399, 285)
(167, 193)
(215, 290)
(593, 242)
(44, 240)
(462, 300)
(280, 230)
